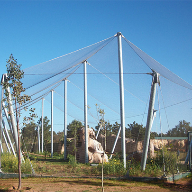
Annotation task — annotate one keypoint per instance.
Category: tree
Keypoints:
(108, 128)
(13, 81)
(72, 132)
(153, 135)
(46, 129)
(29, 133)
(180, 130)
(115, 128)
(58, 137)
(136, 131)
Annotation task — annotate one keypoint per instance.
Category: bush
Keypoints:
(170, 160)
(113, 167)
(72, 160)
(9, 164)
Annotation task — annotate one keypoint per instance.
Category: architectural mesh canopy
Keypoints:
(157, 67)
(60, 66)
(103, 83)
(173, 97)
(46, 75)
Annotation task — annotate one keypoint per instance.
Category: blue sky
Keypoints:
(37, 31)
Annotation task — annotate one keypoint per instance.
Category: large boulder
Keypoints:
(95, 149)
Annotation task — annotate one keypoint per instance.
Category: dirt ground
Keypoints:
(92, 184)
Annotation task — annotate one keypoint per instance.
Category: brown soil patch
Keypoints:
(91, 184)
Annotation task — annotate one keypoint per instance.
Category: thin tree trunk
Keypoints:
(19, 157)
(105, 136)
(19, 150)
(75, 145)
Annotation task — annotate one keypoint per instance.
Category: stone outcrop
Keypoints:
(95, 148)
(133, 148)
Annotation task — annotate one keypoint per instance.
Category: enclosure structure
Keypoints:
(116, 75)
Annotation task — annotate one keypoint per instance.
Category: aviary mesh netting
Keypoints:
(172, 103)
(103, 84)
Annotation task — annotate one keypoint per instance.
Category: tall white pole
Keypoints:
(12, 117)
(42, 130)
(13, 121)
(116, 139)
(1, 146)
(190, 146)
(150, 116)
(8, 137)
(65, 119)
(85, 112)
(6, 143)
(52, 123)
(39, 141)
(8, 119)
(122, 109)
(1, 117)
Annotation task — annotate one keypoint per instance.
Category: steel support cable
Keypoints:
(73, 65)
(138, 54)
(56, 82)
(131, 116)
(92, 116)
(38, 98)
(118, 83)
(81, 73)
(161, 130)
(52, 76)
(159, 64)
(74, 51)
(31, 102)
(45, 94)
(137, 139)
(105, 104)
(34, 101)
(177, 103)
(94, 98)
(63, 110)
(68, 100)
(164, 108)
(76, 106)
(68, 114)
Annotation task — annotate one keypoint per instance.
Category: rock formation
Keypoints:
(94, 148)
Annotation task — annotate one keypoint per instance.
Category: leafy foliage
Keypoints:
(180, 130)
(13, 81)
(169, 158)
(135, 131)
(13, 84)
(9, 163)
(73, 127)
(46, 129)
(29, 133)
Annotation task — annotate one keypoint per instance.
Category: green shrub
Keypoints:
(72, 160)
(46, 154)
(169, 158)
(9, 164)
(26, 167)
(113, 167)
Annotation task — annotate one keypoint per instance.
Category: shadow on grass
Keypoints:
(51, 160)
(174, 186)
(178, 187)
(92, 182)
